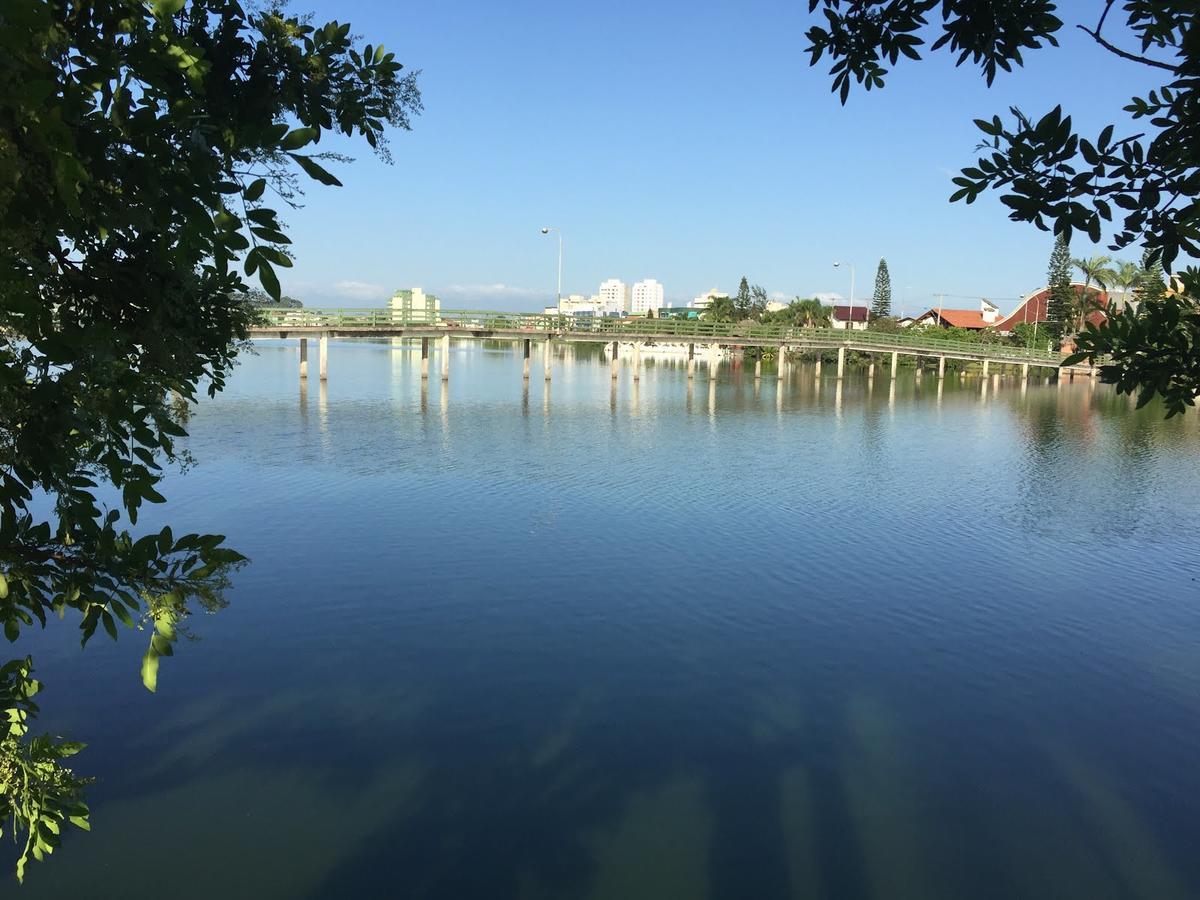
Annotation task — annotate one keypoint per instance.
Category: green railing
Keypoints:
(608, 327)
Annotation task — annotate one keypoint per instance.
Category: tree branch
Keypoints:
(1124, 54)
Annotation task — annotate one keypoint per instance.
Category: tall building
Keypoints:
(415, 306)
(614, 294)
(647, 296)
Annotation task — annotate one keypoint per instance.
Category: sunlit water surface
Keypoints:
(657, 641)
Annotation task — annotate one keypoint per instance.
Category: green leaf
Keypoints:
(150, 670)
(3, 587)
(274, 256)
(315, 171)
(109, 625)
(297, 138)
(12, 630)
(166, 8)
(255, 190)
(161, 645)
(269, 280)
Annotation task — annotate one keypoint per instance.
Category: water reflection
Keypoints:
(943, 650)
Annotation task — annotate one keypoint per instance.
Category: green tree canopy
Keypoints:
(1144, 186)
(742, 302)
(881, 301)
(140, 143)
(722, 309)
(260, 298)
(1062, 295)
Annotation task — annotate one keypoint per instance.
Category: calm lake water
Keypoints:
(731, 642)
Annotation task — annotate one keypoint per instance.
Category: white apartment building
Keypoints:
(614, 294)
(647, 296)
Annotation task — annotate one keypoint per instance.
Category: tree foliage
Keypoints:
(881, 301)
(801, 312)
(138, 145)
(1062, 295)
(721, 309)
(257, 297)
(1144, 186)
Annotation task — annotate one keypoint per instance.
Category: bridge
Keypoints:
(530, 328)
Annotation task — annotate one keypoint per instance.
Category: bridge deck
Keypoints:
(284, 323)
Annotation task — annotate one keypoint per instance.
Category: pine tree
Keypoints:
(743, 301)
(1152, 281)
(881, 304)
(1062, 296)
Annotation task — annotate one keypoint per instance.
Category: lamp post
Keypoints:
(849, 324)
(546, 230)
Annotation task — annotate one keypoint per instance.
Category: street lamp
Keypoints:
(850, 324)
(546, 230)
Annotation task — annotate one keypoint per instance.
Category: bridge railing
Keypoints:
(607, 328)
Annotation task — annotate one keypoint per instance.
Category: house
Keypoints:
(986, 316)
(853, 317)
(1032, 307)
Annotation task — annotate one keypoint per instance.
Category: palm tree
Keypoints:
(1125, 276)
(1094, 269)
(721, 310)
(809, 312)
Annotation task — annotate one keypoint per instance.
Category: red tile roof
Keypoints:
(1033, 308)
(855, 313)
(958, 318)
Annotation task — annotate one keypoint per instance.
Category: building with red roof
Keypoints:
(1032, 307)
(986, 316)
(854, 317)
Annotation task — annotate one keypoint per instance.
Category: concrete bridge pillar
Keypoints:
(841, 362)
(781, 363)
(818, 369)
(941, 367)
(303, 359)
(637, 361)
(1024, 371)
(714, 360)
(985, 368)
(895, 364)
(758, 369)
(613, 362)
(691, 365)
(871, 371)
(546, 354)
(424, 359)
(445, 357)
(324, 355)
(525, 359)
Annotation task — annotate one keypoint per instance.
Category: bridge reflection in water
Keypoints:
(630, 338)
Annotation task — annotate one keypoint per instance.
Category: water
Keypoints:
(713, 642)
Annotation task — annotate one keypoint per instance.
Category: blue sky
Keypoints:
(691, 143)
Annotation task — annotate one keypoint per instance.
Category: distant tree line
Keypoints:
(257, 297)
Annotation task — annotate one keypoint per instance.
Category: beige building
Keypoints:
(416, 306)
(704, 301)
